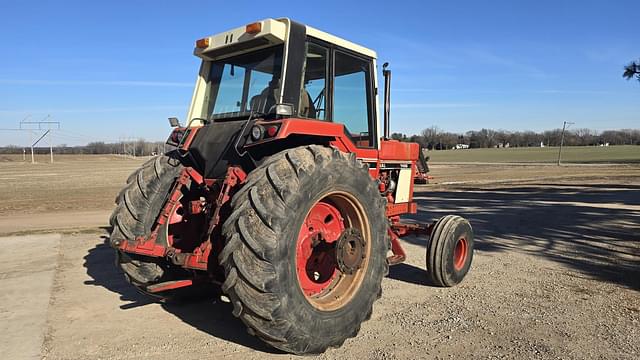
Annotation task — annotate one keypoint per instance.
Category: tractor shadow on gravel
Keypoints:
(212, 317)
(590, 228)
(410, 274)
(101, 267)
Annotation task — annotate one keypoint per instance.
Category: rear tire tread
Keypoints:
(137, 208)
(251, 282)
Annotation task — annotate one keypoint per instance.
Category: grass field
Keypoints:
(570, 154)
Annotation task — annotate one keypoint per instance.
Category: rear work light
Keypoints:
(202, 43)
(253, 28)
(176, 137)
(256, 132)
(260, 132)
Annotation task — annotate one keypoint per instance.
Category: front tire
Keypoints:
(450, 251)
(295, 213)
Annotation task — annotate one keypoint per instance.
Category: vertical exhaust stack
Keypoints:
(387, 98)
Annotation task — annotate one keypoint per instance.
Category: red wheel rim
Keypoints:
(460, 254)
(316, 262)
(175, 223)
(184, 230)
(319, 277)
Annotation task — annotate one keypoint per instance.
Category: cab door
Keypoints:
(353, 97)
(338, 86)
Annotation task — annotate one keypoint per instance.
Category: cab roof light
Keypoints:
(202, 43)
(253, 28)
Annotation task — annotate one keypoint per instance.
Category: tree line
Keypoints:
(434, 138)
(139, 147)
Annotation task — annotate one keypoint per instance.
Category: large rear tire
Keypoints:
(139, 204)
(295, 214)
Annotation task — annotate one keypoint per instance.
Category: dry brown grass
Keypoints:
(72, 182)
(90, 182)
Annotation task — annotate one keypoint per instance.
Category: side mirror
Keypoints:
(174, 122)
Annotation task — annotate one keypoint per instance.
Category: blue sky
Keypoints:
(113, 69)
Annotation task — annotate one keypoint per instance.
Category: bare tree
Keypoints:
(632, 70)
(583, 137)
(430, 134)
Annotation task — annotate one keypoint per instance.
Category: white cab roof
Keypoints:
(274, 31)
(332, 39)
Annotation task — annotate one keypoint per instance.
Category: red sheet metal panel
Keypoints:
(396, 150)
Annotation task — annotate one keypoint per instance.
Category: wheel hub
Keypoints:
(350, 251)
(316, 248)
(332, 251)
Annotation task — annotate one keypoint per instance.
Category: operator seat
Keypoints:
(265, 100)
(268, 97)
(307, 109)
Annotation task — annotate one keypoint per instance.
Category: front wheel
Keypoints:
(306, 249)
(450, 251)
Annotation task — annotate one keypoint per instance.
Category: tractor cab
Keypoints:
(278, 68)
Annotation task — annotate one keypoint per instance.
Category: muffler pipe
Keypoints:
(387, 98)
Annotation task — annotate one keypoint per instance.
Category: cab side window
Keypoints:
(352, 98)
(314, 85)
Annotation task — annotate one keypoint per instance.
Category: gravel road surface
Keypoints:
(556, 275)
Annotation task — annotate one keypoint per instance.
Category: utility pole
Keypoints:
(51, 145)
(37, 141)
(33, 161)
(44, 124)
(564, 126)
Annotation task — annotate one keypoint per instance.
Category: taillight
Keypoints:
(261, 132)
(272, 130)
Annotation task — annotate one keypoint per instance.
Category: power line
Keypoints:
(30, 126)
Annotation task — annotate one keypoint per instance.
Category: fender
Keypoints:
(393, 155)
(337, 135)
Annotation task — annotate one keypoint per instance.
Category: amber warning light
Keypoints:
(202, 43)
(254, 28)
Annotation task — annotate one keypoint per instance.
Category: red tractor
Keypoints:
(281, 194)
